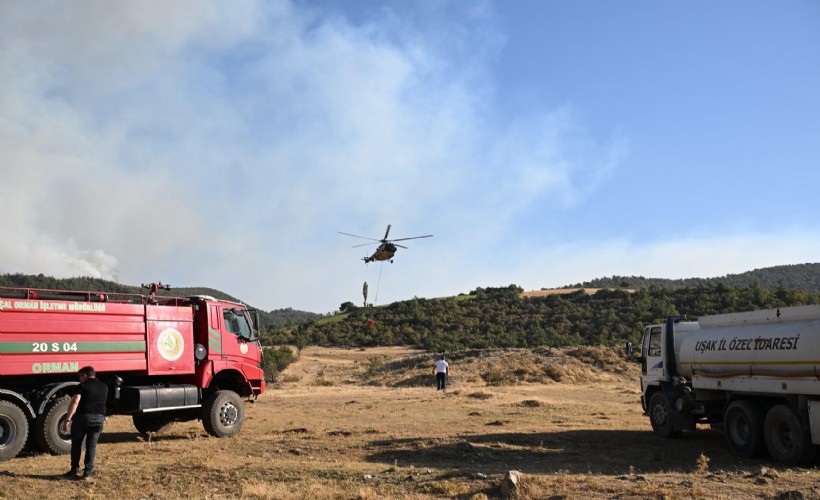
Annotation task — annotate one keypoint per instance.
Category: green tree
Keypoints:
(275, 360)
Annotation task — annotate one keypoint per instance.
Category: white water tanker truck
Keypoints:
(756, 374)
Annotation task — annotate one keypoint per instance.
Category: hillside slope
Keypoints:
(796, 277)
(497, 321)
(503, 317)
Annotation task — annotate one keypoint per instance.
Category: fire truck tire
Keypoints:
(743, 428)
(223, 414)
(13, 430)
(48, 428)
(786, 439)
(660, 416)
(154, 424)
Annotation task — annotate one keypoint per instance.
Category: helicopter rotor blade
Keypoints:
(366, 244)
(400, 246)
(386, 232)
(355, 236)
(413, 238)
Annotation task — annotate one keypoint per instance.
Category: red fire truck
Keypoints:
(165, 359)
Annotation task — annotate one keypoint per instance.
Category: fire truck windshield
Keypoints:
(237, 323)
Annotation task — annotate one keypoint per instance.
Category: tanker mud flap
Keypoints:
(814, 421)
(680, 421)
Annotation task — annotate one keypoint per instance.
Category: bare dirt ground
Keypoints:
(561, 291)
(554, 291)
(350, 423)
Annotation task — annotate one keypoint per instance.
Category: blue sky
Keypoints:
(543, 143)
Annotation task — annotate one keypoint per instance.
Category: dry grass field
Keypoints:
(349, 423)
(557, 291)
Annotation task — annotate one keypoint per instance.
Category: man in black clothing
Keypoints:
(85, 418)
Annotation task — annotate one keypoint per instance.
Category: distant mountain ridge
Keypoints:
(794, 277)
(276, 318)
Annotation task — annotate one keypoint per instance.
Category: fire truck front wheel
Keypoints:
(223, 414)
(13, 430)
(48, 428)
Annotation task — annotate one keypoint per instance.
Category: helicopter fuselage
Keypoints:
(386, 251)
(387, 248)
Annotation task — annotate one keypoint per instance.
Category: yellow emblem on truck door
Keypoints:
(170, 344)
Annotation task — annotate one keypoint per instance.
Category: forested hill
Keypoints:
(503, 317)
(275, 318)
(796, 277)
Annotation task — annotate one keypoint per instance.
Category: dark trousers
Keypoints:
(441, 380)
(89, 427)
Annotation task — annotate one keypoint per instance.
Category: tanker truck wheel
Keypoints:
(48, 428)
(785, 437)
(660, 416)
(13, 430)
(743, 428)
(223, 414)
(154, 424)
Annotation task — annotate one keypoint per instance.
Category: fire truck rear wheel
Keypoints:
(223, 414)
(13, 430)
(48, 428)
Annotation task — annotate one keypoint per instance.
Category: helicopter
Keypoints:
(387, 248)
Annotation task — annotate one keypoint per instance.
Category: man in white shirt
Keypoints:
(441, 370)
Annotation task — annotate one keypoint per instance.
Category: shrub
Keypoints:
(275, 360)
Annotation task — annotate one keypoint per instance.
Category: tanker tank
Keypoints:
(761, 344)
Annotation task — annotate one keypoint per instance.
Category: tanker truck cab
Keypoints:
(755, 375)
(655, 364)
(663, 391)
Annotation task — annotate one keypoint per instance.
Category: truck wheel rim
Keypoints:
(65, 436)
(661, 415)
(784, 437)
(8, 432)
(228, 414)
(740, 430)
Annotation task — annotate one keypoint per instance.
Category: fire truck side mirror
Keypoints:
(255, 327)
